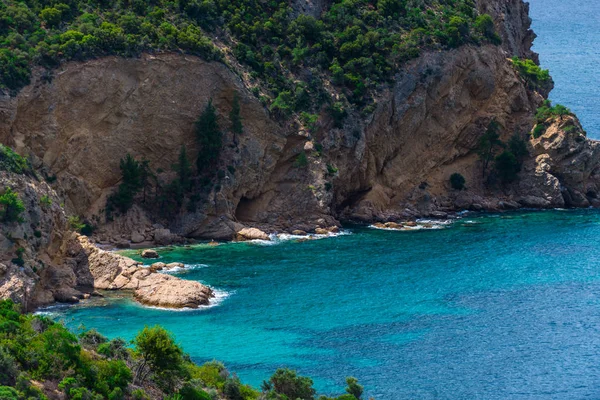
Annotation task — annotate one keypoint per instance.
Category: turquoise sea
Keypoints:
(568, 37)
(491, 307)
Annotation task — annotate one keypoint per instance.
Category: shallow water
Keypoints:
(568, 37)
(492, 307)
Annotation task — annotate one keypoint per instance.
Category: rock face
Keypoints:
(58, 265)
(564, 170)
(392, 165)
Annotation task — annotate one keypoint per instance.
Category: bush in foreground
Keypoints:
(34, 351)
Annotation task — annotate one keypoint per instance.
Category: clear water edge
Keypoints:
(495, 306)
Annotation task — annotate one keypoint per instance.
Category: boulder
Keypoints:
(159, 266)
(393, 225)
(149, 253)
(137, 237)
(174, 265)
(321, 231)
(251, 234)
(162, 290)
(298, 232)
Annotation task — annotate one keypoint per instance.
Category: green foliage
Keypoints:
(309, 120)
(489, 142)
(301, 160)
(547, 111)
(8, 393)
(49, 32)
(353, 388)
(45, 201)
(535, 76)
(75, 223)
(507, 166)
(484, 24)
(234, 116)
(184, 170)
(539, 130)
(36, 348)
(457, 181)
(191, 392)
(12, 206)
(518, 147)
(157, 350)
(209, 136)
(131, 183)
(11, 161)
(286, 382)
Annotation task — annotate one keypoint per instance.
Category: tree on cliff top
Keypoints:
(210, 137)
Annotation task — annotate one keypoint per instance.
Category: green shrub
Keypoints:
(209, 136)
(12, 206)
(8, 393)
(547, 111)
(457, 181)
(507, 166)
(301, 160)
(11, 161)
(354, 388)
(539, 130)
(286, 382)
(535, 76)
(45, 201)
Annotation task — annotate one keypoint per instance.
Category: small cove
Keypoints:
(495, 306)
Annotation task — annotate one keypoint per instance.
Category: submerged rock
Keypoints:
(149, 253)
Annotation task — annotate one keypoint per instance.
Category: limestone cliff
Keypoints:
(393, 164)
(43, 261)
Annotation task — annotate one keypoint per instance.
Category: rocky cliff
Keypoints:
(393, 164)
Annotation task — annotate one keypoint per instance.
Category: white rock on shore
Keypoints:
(112, 271)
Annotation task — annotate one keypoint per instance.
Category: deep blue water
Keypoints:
(568, 43)
(507, 307)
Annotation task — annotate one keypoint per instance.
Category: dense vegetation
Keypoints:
(506, 158)
(535, 76)
(12, 162)
(545, 113)
(356, 44)
(38, 356)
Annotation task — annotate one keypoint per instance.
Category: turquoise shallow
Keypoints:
(493, 307)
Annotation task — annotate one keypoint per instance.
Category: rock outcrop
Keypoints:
(251, 234)
(110, 271)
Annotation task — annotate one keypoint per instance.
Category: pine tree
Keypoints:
(235, 117)
(183, 169)
(488, 143)
(210, 137)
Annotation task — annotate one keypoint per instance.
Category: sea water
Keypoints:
(500, 306)
(568, 44)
